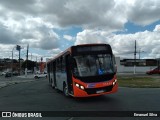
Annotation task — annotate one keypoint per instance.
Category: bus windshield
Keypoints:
(93, 65)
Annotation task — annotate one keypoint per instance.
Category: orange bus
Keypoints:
(84, 71)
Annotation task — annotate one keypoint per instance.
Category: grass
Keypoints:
(138, 82)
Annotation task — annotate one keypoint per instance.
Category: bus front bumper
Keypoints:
(88, 92)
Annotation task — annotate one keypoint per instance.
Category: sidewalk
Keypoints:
(15, 79)
(26, 77)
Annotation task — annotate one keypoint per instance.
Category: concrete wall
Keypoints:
(123, 69)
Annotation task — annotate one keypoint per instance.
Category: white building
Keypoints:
(142, 65)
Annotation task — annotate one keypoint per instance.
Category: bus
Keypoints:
(84, 70)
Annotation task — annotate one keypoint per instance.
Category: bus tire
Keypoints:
(65, 90)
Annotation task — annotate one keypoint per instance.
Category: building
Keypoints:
(7, 65)
(139, 62)
(138, 65)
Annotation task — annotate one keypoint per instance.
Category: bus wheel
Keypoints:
(65, 90)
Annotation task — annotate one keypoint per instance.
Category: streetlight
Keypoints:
(135, 51)
(140, 53)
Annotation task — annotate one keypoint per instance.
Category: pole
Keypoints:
(31, 56)
(19, 49)
(36, 62)
(19, 62)
(139, 53)
(12, 64)
(26, 61)
(135, 59)
(27, 55)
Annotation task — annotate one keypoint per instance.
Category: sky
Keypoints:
(51, 26)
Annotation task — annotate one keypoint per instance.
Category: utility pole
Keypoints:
(26, 61)
(135, 57)
(139, 53)
(19, 49)
(27, 55)
(31, 56)
(12, 61)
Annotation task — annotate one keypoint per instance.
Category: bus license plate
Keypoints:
(100, 91)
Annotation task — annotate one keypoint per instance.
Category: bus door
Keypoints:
(69, 74)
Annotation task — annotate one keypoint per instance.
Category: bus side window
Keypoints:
(58, 65)
(63, 65)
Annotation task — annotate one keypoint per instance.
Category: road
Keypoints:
(15, 79)
(39, 96)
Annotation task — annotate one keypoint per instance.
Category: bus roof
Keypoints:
(80, 45)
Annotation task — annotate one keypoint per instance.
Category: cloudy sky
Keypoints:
(51, 26)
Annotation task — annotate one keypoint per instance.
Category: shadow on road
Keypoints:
(96, 99)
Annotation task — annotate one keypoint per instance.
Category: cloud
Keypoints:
(102, 14)
(19, 25)
(33, 31)
(6, 51)
(68, 37)
(19, 6)
(157, 28)
(34, 22)
(89, 36)
(90, 14)
(144, 12)
(124, 44)
(54, 52)
(7, 36)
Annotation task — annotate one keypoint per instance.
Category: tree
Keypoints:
(15, 61)
(30, 64)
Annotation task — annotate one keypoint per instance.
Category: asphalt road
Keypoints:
(39, 96)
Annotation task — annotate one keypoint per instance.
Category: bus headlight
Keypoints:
(114, 82)
(77, 85)
(82, 87)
